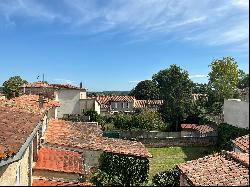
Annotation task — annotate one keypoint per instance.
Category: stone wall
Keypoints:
(180, 142)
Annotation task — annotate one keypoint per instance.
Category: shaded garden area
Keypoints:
(166, 158)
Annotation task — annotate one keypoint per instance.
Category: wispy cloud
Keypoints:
(135, 81)
(198, 76)
(207, 22)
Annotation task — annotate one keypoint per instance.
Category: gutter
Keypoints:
(23, 148)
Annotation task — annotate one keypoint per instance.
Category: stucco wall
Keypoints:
(69, 102)
(8, 172)
(88, 104)
(73, 177)
(120, 108)
(236, 113)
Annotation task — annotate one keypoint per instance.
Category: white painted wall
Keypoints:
(69, 100)
(236, 113)
(90, 104)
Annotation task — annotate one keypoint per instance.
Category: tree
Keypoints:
(122, 170)
(94, 116)
(146, 90)
(243, 80)
(224, 78)
(175, 90)
(11, 86)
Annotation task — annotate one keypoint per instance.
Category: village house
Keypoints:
(23, 121)
(227, 168)
(108, 105)
(67, 95)
(241, 144)
(86, 139)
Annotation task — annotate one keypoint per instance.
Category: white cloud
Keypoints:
(135, 81)
(198, 76)
(207, 22)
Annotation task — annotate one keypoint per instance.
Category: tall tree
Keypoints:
(11, 86)
(146, 90)
(175, 89)
(224, 78)
(243, 80)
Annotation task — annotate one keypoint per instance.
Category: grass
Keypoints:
(167, 158)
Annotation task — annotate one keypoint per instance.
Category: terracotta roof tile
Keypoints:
(59, 160)
(89, 136)
(51, 182)
(147, 103)
(18, 118)
(41, 84)
(243, 143)
(105, 100)
(200, 128)
(225, 168)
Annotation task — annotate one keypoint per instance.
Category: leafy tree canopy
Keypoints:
(12, 85)
(243, 80)
(145, 90)
(176, 91)
(224, 78)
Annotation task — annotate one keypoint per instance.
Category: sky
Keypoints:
(114, 44)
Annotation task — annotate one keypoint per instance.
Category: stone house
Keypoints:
(23, 121)
(241, 144)
(109, 105)
(67, 95)
(220, 169)
(86, 139)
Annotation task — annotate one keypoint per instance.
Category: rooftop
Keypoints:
(203, 129)
(243, 143)
(59, 160)
(41, 84)
(223, 169)
(18, 117)
(146, 103)
(89, 136)
(51, 182)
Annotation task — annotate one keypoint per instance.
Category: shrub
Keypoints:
(167, 178)
(94, 116)
(226, 133)
(116, 169)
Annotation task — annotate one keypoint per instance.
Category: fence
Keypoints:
(166, 139)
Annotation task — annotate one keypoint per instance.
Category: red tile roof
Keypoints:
(59, 160)
(223, 169)
(147, 103)
(105, 100)
(203, 129)
(16, 125)
(18, 118)
(50, 182)
(243, 143)
(89, 136)
(41, 84)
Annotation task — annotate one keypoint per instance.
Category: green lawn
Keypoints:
(167, 158)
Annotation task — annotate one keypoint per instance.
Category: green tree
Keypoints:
(122, 170)
(243, 80)
(145, 90)
(176, 91)
(12, 86)
(94, 116)
(224, 78)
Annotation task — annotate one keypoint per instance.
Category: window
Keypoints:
(127, 105)
(18, 176)
(115, 105)
(123, 105)
(82, 111)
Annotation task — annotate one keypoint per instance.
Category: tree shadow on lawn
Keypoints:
(193, 153)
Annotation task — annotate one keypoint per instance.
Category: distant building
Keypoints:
(241, 144)
(67, 95)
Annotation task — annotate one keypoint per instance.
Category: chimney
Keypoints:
(41, 100)
(80, 85)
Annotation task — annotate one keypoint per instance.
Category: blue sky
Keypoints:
(113, 44)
